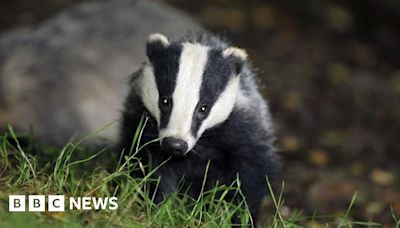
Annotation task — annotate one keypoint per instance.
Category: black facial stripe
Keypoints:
(216, 76)
(166, 67)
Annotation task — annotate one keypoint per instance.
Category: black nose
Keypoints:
(174, 146)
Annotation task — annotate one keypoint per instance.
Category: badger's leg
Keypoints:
(254, 165)
(253, 194)
(166, 185)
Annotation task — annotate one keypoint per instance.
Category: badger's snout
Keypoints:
(174, 146)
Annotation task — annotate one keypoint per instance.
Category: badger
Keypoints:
(202, 102)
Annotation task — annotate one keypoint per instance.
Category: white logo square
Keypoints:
(37, 203)
(56, 203)
(16, 203)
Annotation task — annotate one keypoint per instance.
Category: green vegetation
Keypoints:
(76, 171)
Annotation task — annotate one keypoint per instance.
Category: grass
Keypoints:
(76, 171)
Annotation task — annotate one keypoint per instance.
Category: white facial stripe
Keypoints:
(186, 95)
(149, 92)
(223, 106)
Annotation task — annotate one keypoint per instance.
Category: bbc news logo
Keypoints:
(56, 203)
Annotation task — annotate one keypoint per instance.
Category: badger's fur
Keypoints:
(202, 101)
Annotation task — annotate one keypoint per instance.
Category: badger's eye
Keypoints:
(165, 101)
(204, 108)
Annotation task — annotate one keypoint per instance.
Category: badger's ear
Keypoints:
(156, 43)
(237, 56)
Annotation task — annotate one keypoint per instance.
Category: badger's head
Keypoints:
(188, 88)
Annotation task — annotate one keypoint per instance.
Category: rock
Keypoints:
(68, 77)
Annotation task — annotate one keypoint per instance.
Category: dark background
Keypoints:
(331, 71)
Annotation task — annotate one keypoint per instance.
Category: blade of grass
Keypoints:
(14, 137)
